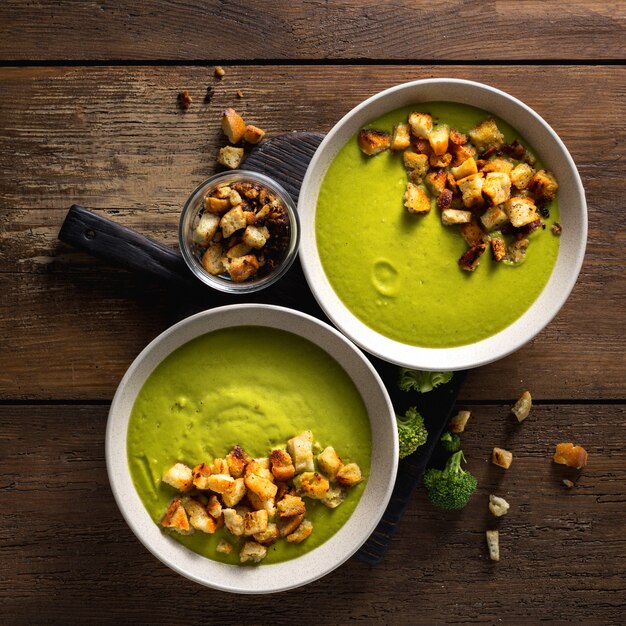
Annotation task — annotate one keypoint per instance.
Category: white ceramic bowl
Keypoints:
(573, 217)
(321, 560)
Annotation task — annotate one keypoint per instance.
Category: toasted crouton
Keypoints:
(455, 216)
(502, 458)
(237, 459)
(498, 506)
(498, 248)
(206, 229)
(521, 175)
(457, 138)
(438, 138)
(242, 268)
(236, 251)
(235, 493)
(416, 165)
(401, 138)
(301, 533)
(260, 467)
(312, 485)
(230, 157)
(329, 462)
(471, 187)
(300, 449)
(472, 233)
(290, 505)
(282, 466)
(224, 547)
(521, 211)
(349, 475)
(373, 141)
(544, 184)
(421, 124)
(220, 483)
(460, 154)
(253, 134)
(255, 522)
(421, 146)
(436, 181)
(222, 192)
(415, 199)
(516, 252)
(218, 206)
(262, 487)
(440, 160)
(219, 466)
(334, 496)
(571, 455)
(497, 164)
(200, 474)
(269, 535)
(465, 169)
(470, 260)
(198, 516)
(258, 504)
(497, 187)
(175, 517)
(286, 525)
(179, 476)
(232, 221)
(494, 217)
(486, 135)
(233, 522)
(212, 260)
(214, 507)
(233, 125)
(459, 421)
(493, 544)
(444, 201)
(252, 552)
(256, 236)
(521, 409)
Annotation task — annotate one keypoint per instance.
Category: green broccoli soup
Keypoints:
(394, 260)
(254, 387)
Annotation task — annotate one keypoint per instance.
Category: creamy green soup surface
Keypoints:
(397, 272)
(252, 386)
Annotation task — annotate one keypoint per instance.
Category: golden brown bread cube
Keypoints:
(262, 487)
(200, 474)
(521, 211)
(415, 199)
(472, 233)
(401, 138)
(521, 408)
(242, 268)
(175, 517)
(335, 495)
(286, 525)
(218, 206)
(470, 259)
(544, 185)
(235, 493)
(300, 449)
(224, 547)
(252, 552)
(219, 466)
(290, 505)
(206, 229)
(421, 124)
(212, 260)
(459, 421)
(465, 169)
(373, 141)
(312, 485)
(237, 459)
(256, 236)
(416, 165)
(571, 455)
(230, 157)
(253, 134)
(260, 467)
(450, 217)
(214, 507)
(329, 462)
(269, 535)
(494, 218)
(471, 188)
(436, 181)
(502, 458)
(282, 466)
(301, 533)
(349, 475)
(486, 135)
(220, 483)
(199, 517)
(498, 248)
(440, 160)
(179, 476)
(232, 221)
(438, 138)
(497, 164)
(233, 522)
(521, 175)
(255, 522)
(497, 187)
(233, 125)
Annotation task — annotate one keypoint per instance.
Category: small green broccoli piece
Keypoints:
(412, 432)
(452, 487)
(415, 380)
(450, 442)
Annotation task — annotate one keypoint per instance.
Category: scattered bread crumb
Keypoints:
(220, 72)
(522, 407)
(459, 421)
(493, 543)
(184, 99)
(502, 458)
(239, 93)
(568, 483)
(570, 455)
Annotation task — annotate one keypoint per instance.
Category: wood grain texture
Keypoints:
(311, 30)
(114, 140)
(73, 560)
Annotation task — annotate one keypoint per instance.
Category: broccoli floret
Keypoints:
(452, 487)
(415, 380)
(411, 431)
(450, 442)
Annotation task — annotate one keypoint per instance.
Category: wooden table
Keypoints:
(89, 114)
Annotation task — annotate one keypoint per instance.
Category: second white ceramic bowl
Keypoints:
(573, 217)
(312, 565)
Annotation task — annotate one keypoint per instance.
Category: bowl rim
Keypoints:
(223, 284)
(467, 356)
(324, 558)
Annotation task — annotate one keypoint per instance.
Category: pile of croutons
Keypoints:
(485, 186)
(243, 231)
(258, 500)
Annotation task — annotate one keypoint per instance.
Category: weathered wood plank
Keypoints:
(71, 557)
(314, 29)
(113, 139)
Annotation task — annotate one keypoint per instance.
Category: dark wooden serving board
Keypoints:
(285, 159)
